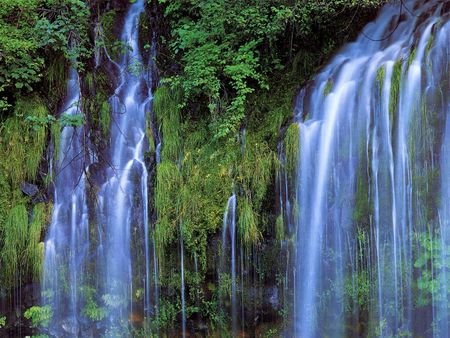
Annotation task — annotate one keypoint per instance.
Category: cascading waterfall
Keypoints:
(371, 138)
(122, 263)
(67, 245)
(125, 190)
(229, 231)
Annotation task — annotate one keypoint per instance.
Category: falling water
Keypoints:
(229, 229)
(125, 189)
(120, 271)
(67, 244)
(371, 135)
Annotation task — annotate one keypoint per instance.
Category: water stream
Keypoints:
(371, 136)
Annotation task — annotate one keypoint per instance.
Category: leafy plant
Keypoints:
(40, 316)
(71, 120)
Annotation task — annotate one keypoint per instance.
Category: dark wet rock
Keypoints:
(29, 189)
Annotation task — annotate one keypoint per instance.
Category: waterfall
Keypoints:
(118, 258)
(67, 244)
(229, 230)
(369, 228)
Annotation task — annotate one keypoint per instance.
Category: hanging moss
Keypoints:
(292, 148)
(381, 74)
(167, 112)
(13, 261)
(395, 91)
(279, 227)
(55, 80)
(256, 169)
(105, 117)
(328, 87)
(23, 143)
(247, 220)
(168, 183)
(55, 132)
(35, 248)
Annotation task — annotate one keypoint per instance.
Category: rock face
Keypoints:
(29, 189)
(13, 309)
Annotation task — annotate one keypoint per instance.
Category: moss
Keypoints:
(168, 183)
(292, 148)
(247, 220)
(55, 132)
(21, 143)
(430, 43)
(412, 56)
(13, 253)
(381, 74)
(35, 248)
(395, 91)
(363, 207)
(279, 227)
(167, 111)
(55, 80)
(328, 87)
(105, 117)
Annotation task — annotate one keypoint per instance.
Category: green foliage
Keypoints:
(22, 252)
(71, 120)
(395, 90)
(29, 28)
(23, 143)
(15, 231)
(91, 309)
(167, 315)
(279, 227)
(357, 291)
(167, 111)
(35, 248)
(218, 43)
(432, 282)
(168, 183)
(2, 321)
(248, 229)
(292, 148)
(40, 316)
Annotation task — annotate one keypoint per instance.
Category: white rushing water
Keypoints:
(67, 244)
(113, 269)
(370, 138)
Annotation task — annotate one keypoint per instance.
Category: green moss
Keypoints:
(412, 56)
(279, 227)
(55, 132)
(328, 87)
(395, 91)
(22, 144)
(168, 183)
(13, 252)
(430, 43)
(292, 148)
(105, 117)
(167, 111)
(35, 248)
(55, 80)
(381, 74)
(363, 207)
(247, 218)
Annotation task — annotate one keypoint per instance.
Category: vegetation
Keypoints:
(40, 316)
(29, 30)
